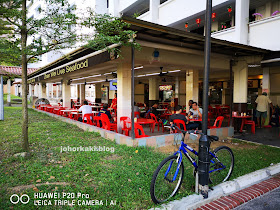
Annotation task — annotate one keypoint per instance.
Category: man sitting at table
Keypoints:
(105, 111)
(196, 113)
(85, 109)
(179, 116)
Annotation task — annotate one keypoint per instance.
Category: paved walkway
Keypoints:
(270, 200)
(243, 196)
(267, 136)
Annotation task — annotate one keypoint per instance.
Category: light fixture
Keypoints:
(152, 74)
(139, 67)
(174, 71)
(253, 65)
(108, 73)
(98, 75)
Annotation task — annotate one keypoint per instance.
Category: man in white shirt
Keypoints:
(262, 102)
(85, 109)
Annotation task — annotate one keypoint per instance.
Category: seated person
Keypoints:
(190, 104)
(42, 102)
(105, 111)
(179, 116)
(154, 110)
(136, 108)
(85, 109)
(196, 112)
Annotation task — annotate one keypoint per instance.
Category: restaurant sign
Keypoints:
(79, 65)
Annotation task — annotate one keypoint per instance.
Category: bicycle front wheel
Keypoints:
(221, 167)
(162, 186)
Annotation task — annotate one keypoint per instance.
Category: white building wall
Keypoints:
(265, 33)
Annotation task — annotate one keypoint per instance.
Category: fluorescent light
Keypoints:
(98, 75)
(139, 67)
(143, 75)
(174, 71)
(254, 66)
(152, 74)
(108, 73)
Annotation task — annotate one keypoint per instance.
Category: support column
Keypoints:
(192, 87)
(224, 95)
(154, 11)
(241, 21)
(9, 92)
(42, 90)
(98, 93)
(1, 98)
(153, 91)
(78, 92)
(240, 86)
(123, 92)
(266, 88)
(66, 94)
(52, 90)
(57, 90)
(82, 93)
(177, 88)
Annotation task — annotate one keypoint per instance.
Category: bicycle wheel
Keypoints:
(162, 187)
(221, 168)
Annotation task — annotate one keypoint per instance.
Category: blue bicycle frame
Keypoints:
(184, 148)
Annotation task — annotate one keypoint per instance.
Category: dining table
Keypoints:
(144, 121)
(243, 118)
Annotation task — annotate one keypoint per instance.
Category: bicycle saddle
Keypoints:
(214, 138)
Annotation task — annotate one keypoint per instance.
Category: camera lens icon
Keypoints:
(15, 199)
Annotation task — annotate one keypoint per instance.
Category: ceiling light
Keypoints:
(108, 73)
(253, 65)
(143, 75)
(174, 71)
(139, 67)
(152, 74)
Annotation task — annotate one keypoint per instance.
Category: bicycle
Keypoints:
(169, 176)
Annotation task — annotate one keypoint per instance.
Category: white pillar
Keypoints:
(240, 86)
(192, 87)
(82, 92)
(114, 8)
(9, 92)
(154, 11)
(153, 90)
(266, 88)
(66, 94)
(57, 89)
(242, 20)
(78, 91)
(52, 90)
(123, 92)
(42, 90)
(177, 87)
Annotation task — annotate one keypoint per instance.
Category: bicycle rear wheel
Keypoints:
(221, 168)
(162, 187)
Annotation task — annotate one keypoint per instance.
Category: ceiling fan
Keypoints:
(161, 74)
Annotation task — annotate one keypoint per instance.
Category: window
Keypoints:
(162, 1)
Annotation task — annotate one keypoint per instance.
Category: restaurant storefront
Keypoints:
(173, 76)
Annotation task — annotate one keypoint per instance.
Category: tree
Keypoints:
(25, 38)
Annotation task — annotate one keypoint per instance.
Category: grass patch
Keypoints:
(12, 97)
(123, 176)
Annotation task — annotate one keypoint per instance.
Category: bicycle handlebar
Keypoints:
(192, 132)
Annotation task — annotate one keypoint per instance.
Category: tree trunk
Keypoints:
(25, 144)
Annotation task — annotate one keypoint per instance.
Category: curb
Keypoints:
(224, 189)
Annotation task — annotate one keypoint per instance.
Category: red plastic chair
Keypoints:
(180, 124)
(219, 121)
(96, 121)
(137, 114)
(153, 117)
(124, 121)
(88, 118)
(253, 125)
(106, 124)
(137, 129)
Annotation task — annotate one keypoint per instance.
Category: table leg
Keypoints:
(242, 125)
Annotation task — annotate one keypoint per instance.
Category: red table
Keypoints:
(243, 118)
(145, 121)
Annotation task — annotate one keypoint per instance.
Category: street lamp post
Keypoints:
(204, 143)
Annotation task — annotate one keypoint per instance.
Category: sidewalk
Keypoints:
(231, 194)
(236, 199)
